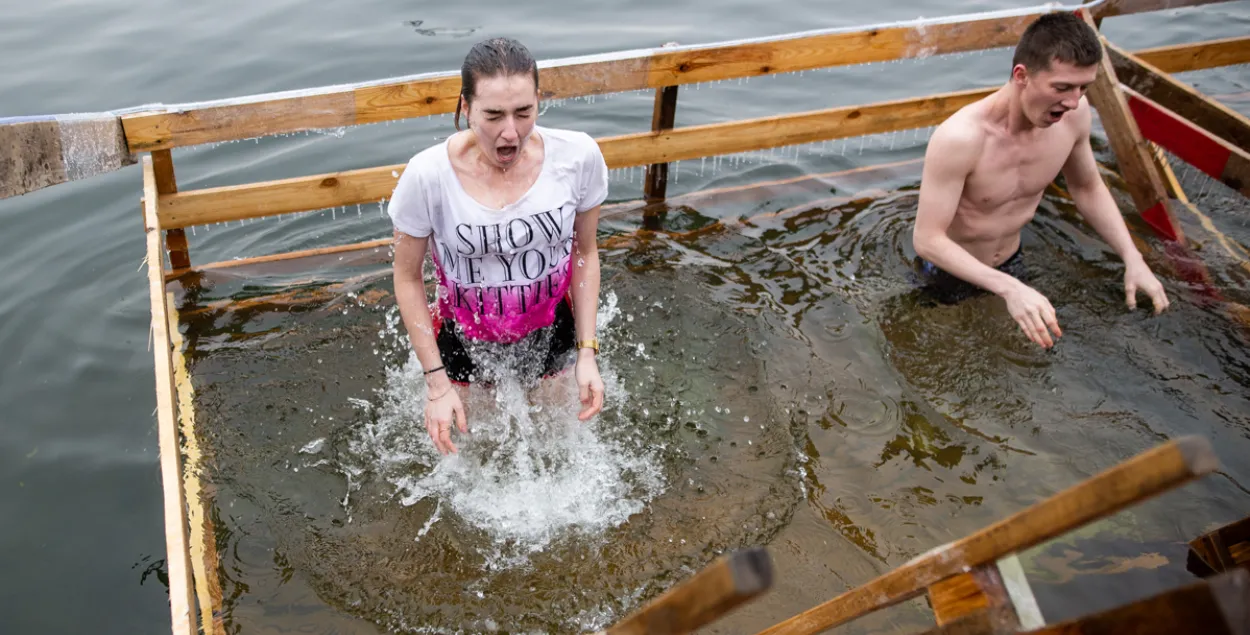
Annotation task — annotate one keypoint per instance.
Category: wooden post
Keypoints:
(166, 183)
(719, 588)
(1136, 165)
(655, 187)
(178, 561)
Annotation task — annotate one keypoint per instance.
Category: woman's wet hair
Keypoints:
(1057, 36)
(496, 57)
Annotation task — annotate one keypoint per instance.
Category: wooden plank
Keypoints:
(692, 142)
(1180, 98)
(1125, 7)
(290, 255)
(436, 93)
(322, 191)
(1144, 183)
(1217, 606)
(972, 592)
(1170, 181)
(1210, 154)
(1137, 479)
(663, 115)
(1222, 550)
(1198, 55)
(203, 538)
(167, 183)
(716, 590)
(30, 157)
(178, 564)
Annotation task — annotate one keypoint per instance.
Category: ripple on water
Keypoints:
(541, 522)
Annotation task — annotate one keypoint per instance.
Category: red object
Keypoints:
(1191, 143)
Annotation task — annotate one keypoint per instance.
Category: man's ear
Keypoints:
(1019, 74)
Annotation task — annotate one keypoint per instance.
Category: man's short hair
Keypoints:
(1057, 36)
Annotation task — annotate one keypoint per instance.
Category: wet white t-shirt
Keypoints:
(502, 271)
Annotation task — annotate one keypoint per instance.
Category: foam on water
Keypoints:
(527, 473)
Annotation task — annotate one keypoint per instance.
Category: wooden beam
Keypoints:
(1218, 606)
(1195, 56)
(1208, 153)
(662, 117)
(436, 93)
(713, 592)
(972, 592)
(37, 152)
(214, 205)
(203, 539)
(1150, 82)
(1221, 550)
(30, 157)
(290, 255)
(1145, 184)
(178, 564)
(1125, 7)
(1144, 476)
(167, 183)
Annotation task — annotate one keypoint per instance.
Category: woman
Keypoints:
(512, 209)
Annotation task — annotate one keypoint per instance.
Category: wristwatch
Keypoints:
(590, 343)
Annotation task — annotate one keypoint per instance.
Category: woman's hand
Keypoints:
(589, 384)
(442, 404)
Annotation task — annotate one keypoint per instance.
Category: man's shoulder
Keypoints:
(962, 131)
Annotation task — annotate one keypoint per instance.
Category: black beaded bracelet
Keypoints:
(433, 370)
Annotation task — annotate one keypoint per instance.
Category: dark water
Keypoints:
(908, 425)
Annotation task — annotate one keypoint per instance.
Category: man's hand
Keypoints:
(1032, 311)
(1138, 277)
(589, 384)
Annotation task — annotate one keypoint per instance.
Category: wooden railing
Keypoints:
(167, 211)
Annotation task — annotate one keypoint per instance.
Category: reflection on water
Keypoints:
(776, 376)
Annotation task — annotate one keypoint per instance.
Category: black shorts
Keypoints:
(543, 353)
(948, 289)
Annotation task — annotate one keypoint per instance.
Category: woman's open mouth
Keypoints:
(506, 154)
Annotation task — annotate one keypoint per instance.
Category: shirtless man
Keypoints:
(987, 165)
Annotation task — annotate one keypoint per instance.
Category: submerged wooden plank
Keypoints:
(1137, 479)
(713, 592)
(203, 537)
(322, 191)
(178, 564)
(290, 255)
